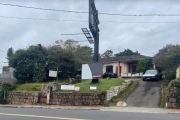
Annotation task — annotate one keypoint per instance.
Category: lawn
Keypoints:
(29, 87)
(103, 85)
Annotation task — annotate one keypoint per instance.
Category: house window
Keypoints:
(132, 67)
(109, 68)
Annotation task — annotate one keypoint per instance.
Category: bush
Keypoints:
(176, 83)
(5, 88)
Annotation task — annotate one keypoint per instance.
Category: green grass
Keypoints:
(124, 94)
(164, 86)
(104, 84)
(29, 87)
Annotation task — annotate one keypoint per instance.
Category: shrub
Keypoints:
(5, 88)
(176, 83)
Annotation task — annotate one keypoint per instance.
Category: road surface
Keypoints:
(60, 114)
(146, 94)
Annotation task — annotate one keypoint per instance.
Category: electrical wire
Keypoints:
(116, 14)
(73, 34)
(41, 19)
(2, 51)
(40, 8)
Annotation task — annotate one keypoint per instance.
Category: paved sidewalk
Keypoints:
(115, 109)
(141, 110)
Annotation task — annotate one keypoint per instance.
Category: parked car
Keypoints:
(152, 75)
(109, 74)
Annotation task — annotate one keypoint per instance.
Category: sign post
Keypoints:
(94, 29)
(93, 26)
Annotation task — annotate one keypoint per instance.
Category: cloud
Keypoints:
(146, 38)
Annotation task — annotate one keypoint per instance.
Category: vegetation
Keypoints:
(144, 64)
(124, 94)
(104, 84)
(167, 60)
(127, 52)
(5, 88)
(176, 83)
(29, 87)
(107, 54)
(33, 63)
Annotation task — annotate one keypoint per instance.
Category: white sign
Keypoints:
(77, 88)
(52, 73)
(93, 88)
(67, 87)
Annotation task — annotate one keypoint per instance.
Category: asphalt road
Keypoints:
(146, 94)
(59, 114)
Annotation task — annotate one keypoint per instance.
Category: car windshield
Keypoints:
(151, 72)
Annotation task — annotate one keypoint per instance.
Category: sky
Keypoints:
(145, 34)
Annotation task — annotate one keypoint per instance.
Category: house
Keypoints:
(7, 73)
(123, 66)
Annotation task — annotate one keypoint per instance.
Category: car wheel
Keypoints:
(143, 79)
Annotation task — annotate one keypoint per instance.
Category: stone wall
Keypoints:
(170, 98)
(77, 99)
(114, 91)
(18, 98)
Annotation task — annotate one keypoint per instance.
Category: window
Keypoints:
(109, 68)
(132, 67)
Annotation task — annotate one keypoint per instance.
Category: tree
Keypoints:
(30, 64)
(33, 63)
(127, 52)
(64, 60)
(107, 54)
(144, 64)
(167, 60)
(10, 53)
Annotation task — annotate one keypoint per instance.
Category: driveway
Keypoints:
(146, 94)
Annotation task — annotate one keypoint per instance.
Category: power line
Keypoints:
(73, 34)
(41, 19)
(81, 41)
(116, 14)
(41, 8)
(2, 51)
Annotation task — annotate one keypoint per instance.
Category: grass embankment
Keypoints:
(29, 87)
(164, 86)
(103, 85)
(124, 94)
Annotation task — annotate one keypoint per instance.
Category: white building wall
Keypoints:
(123, 67)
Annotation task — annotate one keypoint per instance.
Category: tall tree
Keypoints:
(167, 60)
(144, 64)
(107, 54)
(10, 53)
(127, 52)
(30, 64)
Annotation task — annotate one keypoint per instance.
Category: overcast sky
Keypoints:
(131, 32)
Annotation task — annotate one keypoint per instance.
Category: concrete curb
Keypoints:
(110, 109)
(53, 107)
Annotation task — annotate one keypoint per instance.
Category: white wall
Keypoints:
(178, 72)
(123, 67)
